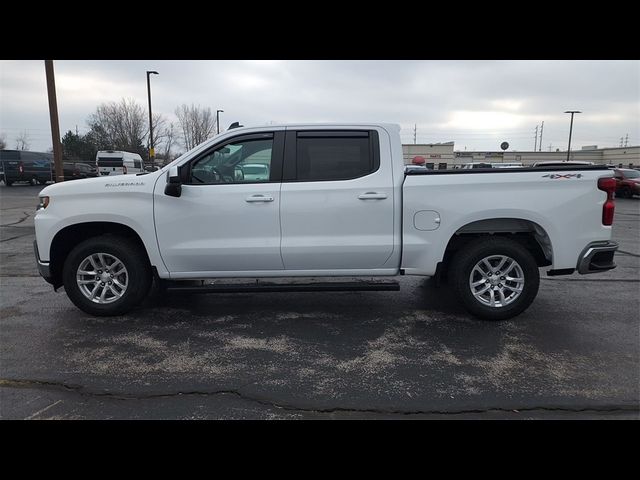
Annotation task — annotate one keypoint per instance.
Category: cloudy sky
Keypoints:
(477, 104)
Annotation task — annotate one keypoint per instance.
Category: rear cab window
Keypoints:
(328, 155)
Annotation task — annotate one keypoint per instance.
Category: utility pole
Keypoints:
(572, 112)
(550, 147)
(541, 129)
(76, 130)
(53, 115)
(626, 140)
(415, 129)
(535, 145)
(152, 153)
(621, 139)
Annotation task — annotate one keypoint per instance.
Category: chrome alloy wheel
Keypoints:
(102, 278)
(496, 281)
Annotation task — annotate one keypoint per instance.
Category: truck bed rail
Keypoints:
(454, 171)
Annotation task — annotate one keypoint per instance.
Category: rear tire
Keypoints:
(138, 276)
(495, 297)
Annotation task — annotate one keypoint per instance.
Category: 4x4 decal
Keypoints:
(554, 176)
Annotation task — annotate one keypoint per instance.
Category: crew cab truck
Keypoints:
(337, 203)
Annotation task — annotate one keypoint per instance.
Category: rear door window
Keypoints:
(334, 155)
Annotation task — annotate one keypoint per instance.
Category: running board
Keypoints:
(288, 287)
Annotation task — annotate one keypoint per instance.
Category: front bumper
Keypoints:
(597, 257)
(43, 267)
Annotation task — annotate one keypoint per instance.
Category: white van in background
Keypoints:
(111, 162)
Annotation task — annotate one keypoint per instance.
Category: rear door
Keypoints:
(110, 165)
(337, 201)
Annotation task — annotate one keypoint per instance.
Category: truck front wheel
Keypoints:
(106, 275)
(495, 278)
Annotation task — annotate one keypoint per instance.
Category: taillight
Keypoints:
(608, 185)
(124, 169)
(21, 168)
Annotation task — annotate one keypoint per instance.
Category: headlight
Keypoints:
(44, 203)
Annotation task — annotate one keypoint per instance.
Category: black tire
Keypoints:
(472, 253)
(626, 193)
(8, 184)
(133, 258)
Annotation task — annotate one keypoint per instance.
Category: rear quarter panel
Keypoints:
(569, 209)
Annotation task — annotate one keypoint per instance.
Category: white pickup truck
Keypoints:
(337, 202)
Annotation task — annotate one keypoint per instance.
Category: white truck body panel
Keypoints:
(568, 209)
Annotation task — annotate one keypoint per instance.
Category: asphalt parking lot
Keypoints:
(575, 353)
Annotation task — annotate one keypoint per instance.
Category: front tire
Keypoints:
(496, 278)
(106, 275)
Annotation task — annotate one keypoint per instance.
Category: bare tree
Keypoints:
(197, 124)
(120, 126)
(22, 141)
(3, 141)
(168, 140)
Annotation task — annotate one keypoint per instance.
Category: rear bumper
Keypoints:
(597, 257)
(43, 267)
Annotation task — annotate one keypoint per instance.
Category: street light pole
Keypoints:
(152, 153)
(218, 119)
(570, 130)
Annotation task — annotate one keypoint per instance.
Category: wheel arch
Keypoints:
(526, 232)
(68, 237)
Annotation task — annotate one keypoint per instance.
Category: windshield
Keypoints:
(631, 174)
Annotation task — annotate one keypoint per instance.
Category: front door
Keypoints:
(227, 217)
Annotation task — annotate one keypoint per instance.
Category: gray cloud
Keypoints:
(478, 104)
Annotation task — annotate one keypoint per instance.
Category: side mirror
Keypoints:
(174, 184)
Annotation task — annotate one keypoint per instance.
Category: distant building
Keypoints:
(437, 153)
(433, 153)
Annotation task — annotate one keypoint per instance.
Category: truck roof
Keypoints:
(390, 126)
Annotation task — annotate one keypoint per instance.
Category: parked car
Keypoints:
(492, 165)
(87, 170)
(76, 171)
(24, 166)
(254, 172)
(338, 203)
(570, 163)
(627, 182)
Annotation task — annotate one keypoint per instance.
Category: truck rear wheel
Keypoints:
(495, 278)
(106, 275)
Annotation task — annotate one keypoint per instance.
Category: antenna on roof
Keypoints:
(235, 125)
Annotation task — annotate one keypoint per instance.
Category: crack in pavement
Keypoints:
(629, 280)
(81, 390)
(13, 238)
(27, 215)
(628, 253)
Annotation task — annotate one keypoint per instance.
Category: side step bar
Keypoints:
(286, 287)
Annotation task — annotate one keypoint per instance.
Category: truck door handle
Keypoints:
(258, 198)
(372, 196)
